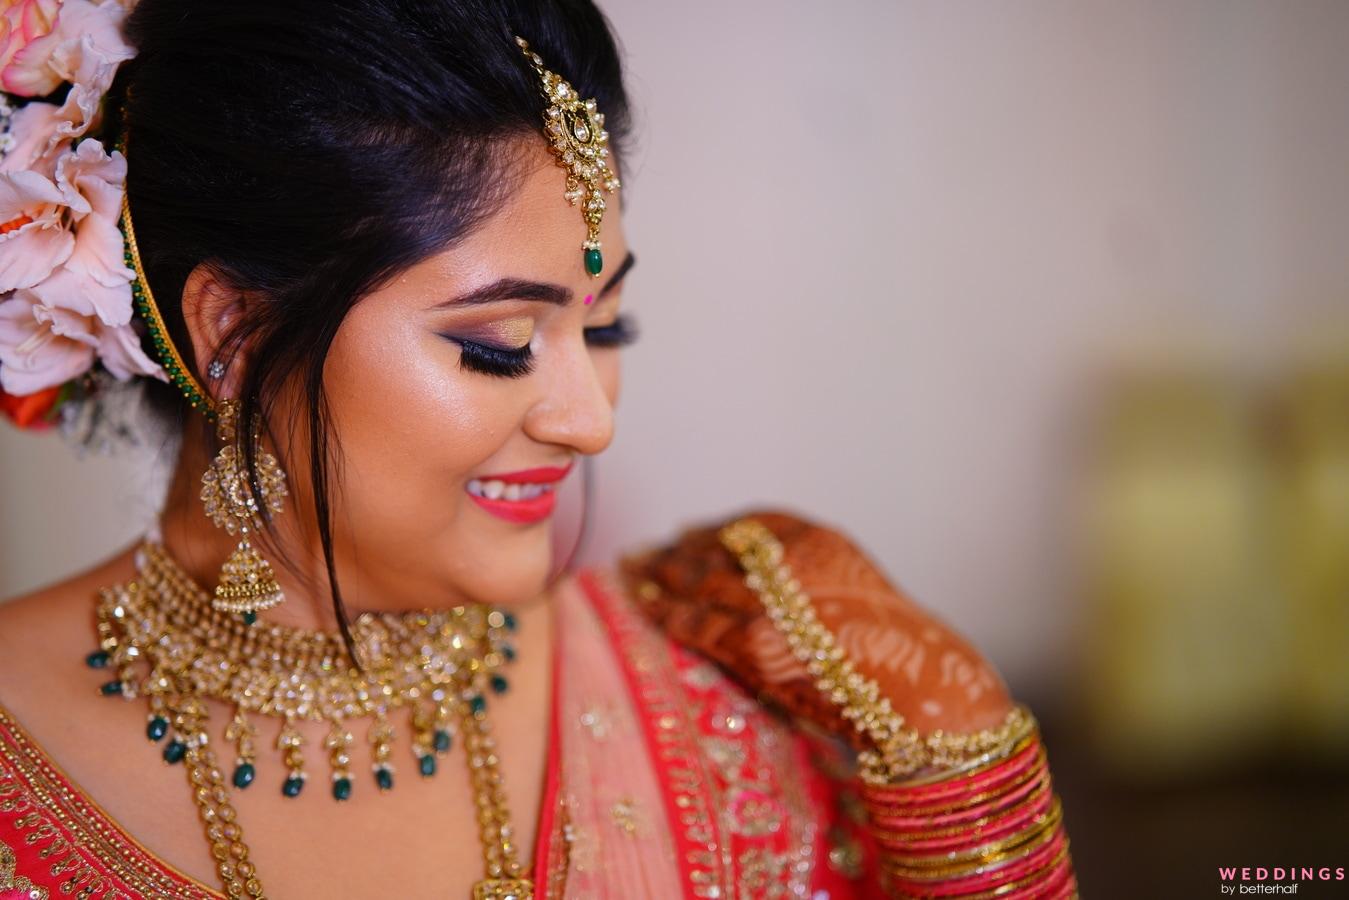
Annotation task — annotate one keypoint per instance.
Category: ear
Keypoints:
(211, 308)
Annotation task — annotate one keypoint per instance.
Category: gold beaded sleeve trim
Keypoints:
(898, 750)
(86, 853)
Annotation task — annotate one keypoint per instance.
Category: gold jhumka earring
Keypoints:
(247, 583)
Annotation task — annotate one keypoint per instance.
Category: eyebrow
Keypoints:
(521, 289)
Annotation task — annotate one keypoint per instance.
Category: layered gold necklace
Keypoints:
(165, 642)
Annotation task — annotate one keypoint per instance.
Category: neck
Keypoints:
(294, 550)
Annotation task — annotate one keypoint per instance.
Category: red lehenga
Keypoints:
(665, 780)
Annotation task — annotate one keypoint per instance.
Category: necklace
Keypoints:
(160, 635)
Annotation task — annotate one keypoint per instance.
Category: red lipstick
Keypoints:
(524, 509)
(540, 475)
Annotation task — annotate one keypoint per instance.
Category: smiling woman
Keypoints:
(366, 292)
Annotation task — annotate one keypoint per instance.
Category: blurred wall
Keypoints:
(885, 246)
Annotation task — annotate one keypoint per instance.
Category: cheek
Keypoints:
(407, 414)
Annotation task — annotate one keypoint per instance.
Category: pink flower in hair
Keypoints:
(85, 48)
(84, 37)
(69, 228)
(43, 343)
(65, 292)
(21, 23)
(90, 182)
(36, 141)
(34, 238)
(120, 350)
(42, 346)
(90, 80)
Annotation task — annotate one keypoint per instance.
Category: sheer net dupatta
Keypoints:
(616, 842)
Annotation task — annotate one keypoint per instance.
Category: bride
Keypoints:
(365, 262)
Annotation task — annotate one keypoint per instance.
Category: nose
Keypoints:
(573, 408)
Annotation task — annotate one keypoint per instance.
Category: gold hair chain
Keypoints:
(176, 370)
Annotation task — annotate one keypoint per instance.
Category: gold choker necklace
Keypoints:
(166, 643)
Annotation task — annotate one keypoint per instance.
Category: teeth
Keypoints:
(500, 490)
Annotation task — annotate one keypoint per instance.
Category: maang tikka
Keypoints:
(247, 583)
(576, 136)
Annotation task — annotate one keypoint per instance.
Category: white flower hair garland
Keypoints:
(65, 290)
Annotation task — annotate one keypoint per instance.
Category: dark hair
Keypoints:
(309, 150)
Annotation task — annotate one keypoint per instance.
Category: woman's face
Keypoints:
(430, 399)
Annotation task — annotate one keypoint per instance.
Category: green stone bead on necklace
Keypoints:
(243, 775)
(156, 728)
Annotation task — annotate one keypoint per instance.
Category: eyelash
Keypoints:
(507, 362)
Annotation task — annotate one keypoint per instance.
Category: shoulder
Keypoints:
(704, 555)
(50, 611)
(693, 587)
(765, 591)
(44, 636)
(701, 587)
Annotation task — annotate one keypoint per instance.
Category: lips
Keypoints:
(540, 475)
(523, 496)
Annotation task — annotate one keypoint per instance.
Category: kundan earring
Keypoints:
(247, 583)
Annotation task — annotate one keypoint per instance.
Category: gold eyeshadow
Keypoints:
(506, 332)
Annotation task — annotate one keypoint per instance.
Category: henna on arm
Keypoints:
(956, 782)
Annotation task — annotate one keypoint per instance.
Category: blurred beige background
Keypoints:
(1047, 305)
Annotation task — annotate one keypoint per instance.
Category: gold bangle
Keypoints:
(983, 853)
(1038, 771)
(1005, 889)
(877, 799)
(1043, 835)
(968, 827)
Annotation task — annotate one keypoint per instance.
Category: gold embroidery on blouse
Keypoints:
(40, 790)
(751, 803)
(845, 853)
(759, 818)
(11, 880)
(761, 873)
